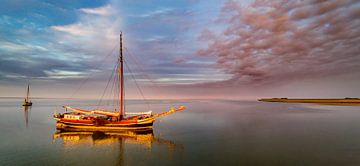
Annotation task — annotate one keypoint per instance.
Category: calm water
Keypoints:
(207, 133)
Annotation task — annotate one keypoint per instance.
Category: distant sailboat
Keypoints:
(27, 101)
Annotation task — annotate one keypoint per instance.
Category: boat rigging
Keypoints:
(104, 120)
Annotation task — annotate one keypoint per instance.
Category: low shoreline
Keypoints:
(340, 102)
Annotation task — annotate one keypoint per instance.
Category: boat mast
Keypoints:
(121, 80)
(27, 94)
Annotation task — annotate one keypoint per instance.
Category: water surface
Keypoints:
(209, 132)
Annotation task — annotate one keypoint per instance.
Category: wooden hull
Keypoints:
(27, 104)
(87, 125)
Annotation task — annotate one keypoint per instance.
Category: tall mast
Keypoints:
(121, 80)
(27, 93)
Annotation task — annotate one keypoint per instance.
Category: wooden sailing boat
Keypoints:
(102, 120)
(27, 101)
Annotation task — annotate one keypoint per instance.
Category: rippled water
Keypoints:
(212, 132)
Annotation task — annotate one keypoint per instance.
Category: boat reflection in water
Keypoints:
(123, 140)
(26, 110)
(145, 138)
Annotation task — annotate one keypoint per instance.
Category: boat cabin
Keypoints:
(72, 116)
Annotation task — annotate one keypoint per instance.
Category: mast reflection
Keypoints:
(26, 110)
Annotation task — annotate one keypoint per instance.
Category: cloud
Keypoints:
(157, 47)
(61, 74)
(94, 31)
(24, 66)
(103, 11)
(179, 60)
(75, 29)
(9, 46)
(276, 41)
(64, 42)
(162, 11)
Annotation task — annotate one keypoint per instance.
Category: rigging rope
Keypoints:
(136, 62)
(112, 92)
(142, 70)
(97, 67)
(137, 85)
(110, 78)
(116, 81)
(115, 95)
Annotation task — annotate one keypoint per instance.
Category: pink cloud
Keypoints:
(179, 60)
(272, 41)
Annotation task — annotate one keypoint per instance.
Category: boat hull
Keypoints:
(137, 126)
(27, 104)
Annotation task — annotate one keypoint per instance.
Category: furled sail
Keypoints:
(115, 114)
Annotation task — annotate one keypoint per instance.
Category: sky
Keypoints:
(187, 49)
